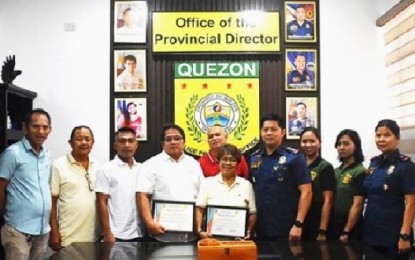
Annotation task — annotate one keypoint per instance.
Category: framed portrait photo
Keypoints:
(301, 112)
(130, 71)
(130, 21)
(301, 69)
(300, 21)
(131, 112)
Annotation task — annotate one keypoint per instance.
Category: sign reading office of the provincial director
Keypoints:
(246, 31)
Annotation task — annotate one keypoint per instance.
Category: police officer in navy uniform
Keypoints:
(300, 76)
(297, 125)
(282, 184)
(390, 189)
(300, 28)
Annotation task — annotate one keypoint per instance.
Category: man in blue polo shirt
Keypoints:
(25, 198)
(282, 184)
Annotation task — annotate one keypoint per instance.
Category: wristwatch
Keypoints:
(404, 237)
(298, 224)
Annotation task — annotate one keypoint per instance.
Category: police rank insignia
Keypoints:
(282, 160)
(293, 28)
(391, 169)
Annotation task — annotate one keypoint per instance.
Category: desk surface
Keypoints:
(266, 250)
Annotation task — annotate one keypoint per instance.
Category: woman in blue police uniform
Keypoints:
(346, 220)
(390, 190)
(323, 185)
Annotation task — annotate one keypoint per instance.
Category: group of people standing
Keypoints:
(289, 194)
(375, 205)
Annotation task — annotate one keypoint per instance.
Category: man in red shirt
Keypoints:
(217, 137)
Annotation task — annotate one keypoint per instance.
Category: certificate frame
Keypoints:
(219, 216)
(167, 212)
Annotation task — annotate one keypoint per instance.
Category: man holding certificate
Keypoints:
(282, 184)
(226, 199)
(171, 180)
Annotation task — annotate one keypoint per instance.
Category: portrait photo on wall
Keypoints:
(301, 113)
(130, 71)
(300, 70)
(132, 113)
(130, 21)
(300, 21)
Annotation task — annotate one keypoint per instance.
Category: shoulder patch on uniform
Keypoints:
(404, 157)
(291, 150)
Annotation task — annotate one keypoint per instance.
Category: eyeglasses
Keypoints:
(170, 139)
(88, 179)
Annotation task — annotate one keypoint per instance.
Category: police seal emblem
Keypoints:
(217, 109)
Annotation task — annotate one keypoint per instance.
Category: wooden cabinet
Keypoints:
(14, 102)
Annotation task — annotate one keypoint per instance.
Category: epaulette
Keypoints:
(291, 150)
(404, 158)
(256, 152)
(375, 157)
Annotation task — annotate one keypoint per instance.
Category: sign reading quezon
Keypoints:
(217, 93)
(247, 31)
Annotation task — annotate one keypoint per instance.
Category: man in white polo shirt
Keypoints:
(170, 175)
(115, 188)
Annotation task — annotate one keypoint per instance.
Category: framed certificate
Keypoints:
(174, 216)
(226, 221)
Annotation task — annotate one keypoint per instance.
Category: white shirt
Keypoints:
(133, 34)
(168, 179)
(118, 180)
(214, 191)
(130, 81)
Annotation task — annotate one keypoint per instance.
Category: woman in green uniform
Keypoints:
(346, 221)
(324, 185)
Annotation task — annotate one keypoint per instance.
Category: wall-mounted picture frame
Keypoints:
(130, 70)
(301, 112)
(130, 21)
(132, 112)
(301, 70)
(300, 21)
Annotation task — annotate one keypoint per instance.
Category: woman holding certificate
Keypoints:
(226, 201)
